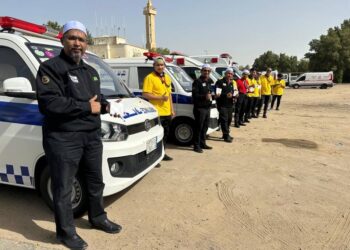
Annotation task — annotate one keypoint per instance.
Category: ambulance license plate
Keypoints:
(151, 145)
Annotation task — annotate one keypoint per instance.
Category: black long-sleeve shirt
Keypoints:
(226, 87)
(64, 90)
(200, 90)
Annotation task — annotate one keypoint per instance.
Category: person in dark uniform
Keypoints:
(241, 104)
(224, 90)
(201, 97)
(68, 93)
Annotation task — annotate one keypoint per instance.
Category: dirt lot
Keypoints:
(282, 184)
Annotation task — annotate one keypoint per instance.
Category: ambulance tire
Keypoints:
(79, 194)
(182, 131)
(323, 86)
(296, 86)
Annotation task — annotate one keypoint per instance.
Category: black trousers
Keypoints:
(274, 97)
(166, 122)
(248, 107)
(240, 107)
(201, 117)
(225, 118)
(264, 101)
(255, 101)
(65, 152)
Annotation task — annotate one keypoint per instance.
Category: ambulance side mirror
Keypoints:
(18, 87)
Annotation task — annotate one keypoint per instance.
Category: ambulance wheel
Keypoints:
(183, 131)
(79, 194)
(323, 86)
(296, 86)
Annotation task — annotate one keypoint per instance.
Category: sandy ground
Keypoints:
(282, 184)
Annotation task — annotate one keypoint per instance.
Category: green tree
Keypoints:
(266, 60)
(162, 51)
(54, 25)
(332, 52)
(303, 66)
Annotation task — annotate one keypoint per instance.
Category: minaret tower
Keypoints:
(150, 13)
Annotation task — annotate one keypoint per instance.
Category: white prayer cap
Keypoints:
(74, 25)
(206, 66)
(229, 70)
(246, 72)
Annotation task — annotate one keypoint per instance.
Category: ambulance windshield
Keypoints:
(182, 77)
(111, 85)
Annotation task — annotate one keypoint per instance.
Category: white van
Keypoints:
(321, 80)
(132, 144)
(134, 70)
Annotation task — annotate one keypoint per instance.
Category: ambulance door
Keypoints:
(20, 120)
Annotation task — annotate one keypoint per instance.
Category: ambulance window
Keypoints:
(142, 73)
(192, 72)
(301, 79)
(220, 71)
(12, 65)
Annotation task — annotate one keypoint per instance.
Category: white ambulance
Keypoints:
(219, 63)
(321, 80)
(192, 66)
(134, 70)
(132, 143)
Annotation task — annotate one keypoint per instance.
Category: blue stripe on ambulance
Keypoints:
(29, 114)
(181, 99)
(22, 113)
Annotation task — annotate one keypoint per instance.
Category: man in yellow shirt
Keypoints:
(277, 91)
(266, 82)
(157, 89)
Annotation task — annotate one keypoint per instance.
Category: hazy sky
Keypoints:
(245, 29)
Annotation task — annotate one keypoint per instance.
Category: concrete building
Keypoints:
(113, 47)
(150, 13)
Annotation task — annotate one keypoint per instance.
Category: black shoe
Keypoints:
(264, 116)
(107, 226)
(74, 242)
(198, 150)
(277, 109)
(237, 125)
(228, 139)
(167, 158)
(247, 121)
(242, 124)
(205, 146)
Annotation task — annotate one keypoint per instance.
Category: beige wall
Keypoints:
(116, 50)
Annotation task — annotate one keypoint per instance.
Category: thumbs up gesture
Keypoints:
(95, 105)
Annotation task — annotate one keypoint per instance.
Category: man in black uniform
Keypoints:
(68, 92)
(201, 97)
(224, 90)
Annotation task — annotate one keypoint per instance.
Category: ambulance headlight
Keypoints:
(113, 131)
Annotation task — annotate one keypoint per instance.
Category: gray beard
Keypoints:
(76, 57)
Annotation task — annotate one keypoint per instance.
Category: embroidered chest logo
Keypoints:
(73, 78)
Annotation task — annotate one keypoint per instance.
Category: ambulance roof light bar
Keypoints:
(12, 24)
(153, 55)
